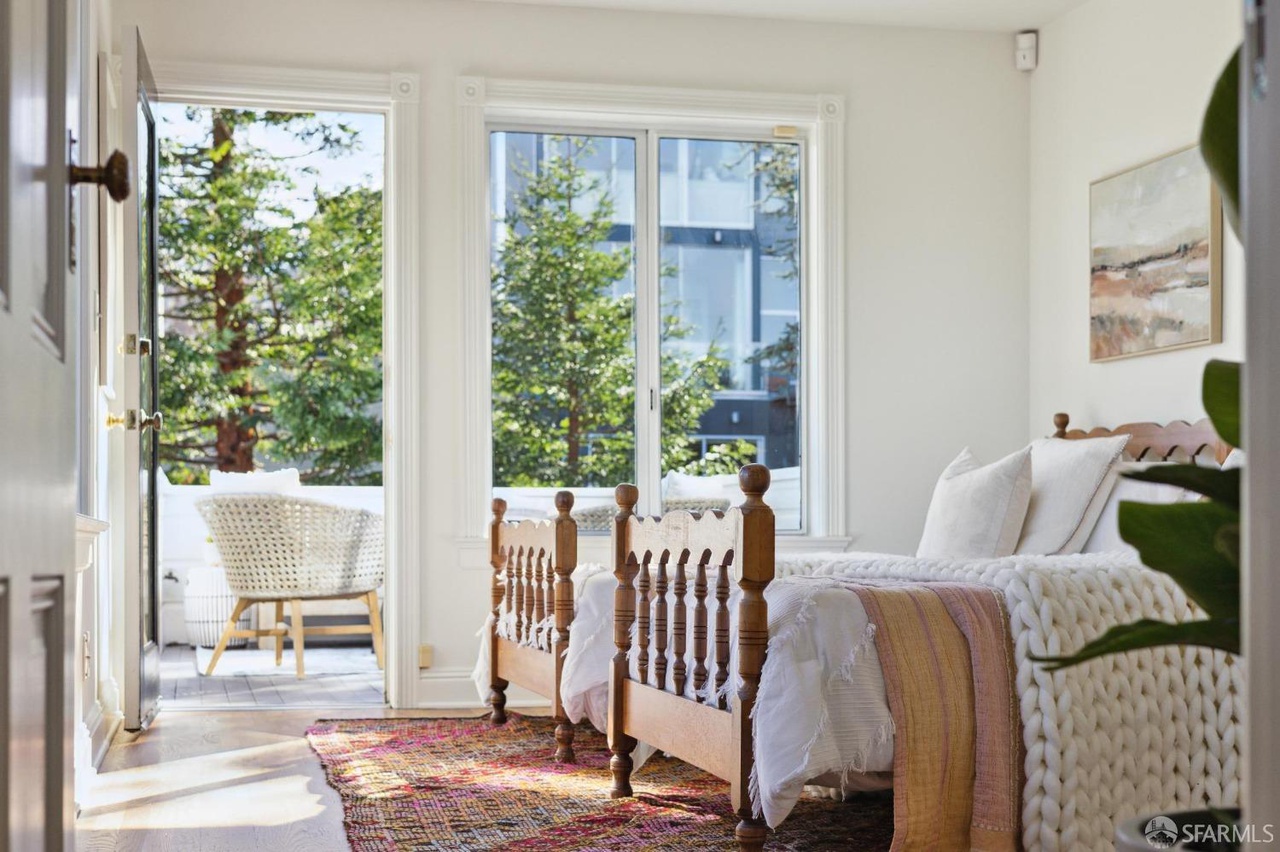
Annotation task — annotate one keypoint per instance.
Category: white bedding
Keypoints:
(1148, 731)
(844, 728)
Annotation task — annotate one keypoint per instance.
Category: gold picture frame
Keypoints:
(1155, 258)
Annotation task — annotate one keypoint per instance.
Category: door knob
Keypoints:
(113, 175)
(128, 420)
(155, 421)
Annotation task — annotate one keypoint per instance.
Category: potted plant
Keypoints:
(1197, 544)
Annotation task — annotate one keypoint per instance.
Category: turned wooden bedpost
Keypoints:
(624, 612)
(565, 561)
(497, 559)
(1060, 421)
(755, 558)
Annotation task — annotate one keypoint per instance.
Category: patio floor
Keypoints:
(183, 687)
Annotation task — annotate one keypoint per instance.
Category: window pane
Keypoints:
(707, 294)
(730, 299)
(563, 289)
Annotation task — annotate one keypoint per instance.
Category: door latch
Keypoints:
(128, 420)
(135, 345)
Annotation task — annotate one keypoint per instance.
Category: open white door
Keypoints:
(142, 421)
(40, 85)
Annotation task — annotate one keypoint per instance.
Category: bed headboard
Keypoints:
(1153, 442)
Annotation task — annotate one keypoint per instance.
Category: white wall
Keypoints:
(1120, 82)
(937, 166)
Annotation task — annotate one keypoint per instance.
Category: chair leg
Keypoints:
(279, 638)
(241, 605)
(375, 624)
(296, 609)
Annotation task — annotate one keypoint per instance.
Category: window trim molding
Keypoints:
(395, 96)
(544, 104)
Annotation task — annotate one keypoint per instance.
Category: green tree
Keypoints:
(272, 325)
(564, 355)
(324, 380)
(778, 166)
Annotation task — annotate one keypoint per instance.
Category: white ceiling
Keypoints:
(997, 15)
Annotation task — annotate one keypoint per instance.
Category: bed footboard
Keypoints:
(655, 562)
(532, 595)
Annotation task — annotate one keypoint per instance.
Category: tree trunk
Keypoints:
(235, 441)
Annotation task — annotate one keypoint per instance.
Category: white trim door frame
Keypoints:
(396, 97)
(1260, 215)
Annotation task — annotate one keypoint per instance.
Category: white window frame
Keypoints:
(816, 122)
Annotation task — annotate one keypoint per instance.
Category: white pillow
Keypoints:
(687, 486)
(978, 511)
(1073, 479)
(286, 481)
(1106, 533)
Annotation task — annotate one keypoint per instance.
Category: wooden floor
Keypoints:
(182, 687)
(201, 781)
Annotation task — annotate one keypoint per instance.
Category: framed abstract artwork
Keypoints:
(1155, 239)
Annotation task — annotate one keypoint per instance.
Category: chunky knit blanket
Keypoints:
(1142, 732)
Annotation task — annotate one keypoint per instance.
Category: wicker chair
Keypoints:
(279, 548)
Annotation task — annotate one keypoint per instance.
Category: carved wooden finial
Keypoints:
(1060, 421)
(627, 495)
(564, 502)
(499, 509)
(754, 480)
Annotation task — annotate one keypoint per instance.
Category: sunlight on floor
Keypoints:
(273, 801)
(209, 781)
(162, 781)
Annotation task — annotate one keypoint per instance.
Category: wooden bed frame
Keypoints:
(532, 567)
(1153, 442)
(666, 554)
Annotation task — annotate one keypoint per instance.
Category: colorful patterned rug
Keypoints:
(464, 784)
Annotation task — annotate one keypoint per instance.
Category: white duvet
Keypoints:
(1148, 731)
(821, 708)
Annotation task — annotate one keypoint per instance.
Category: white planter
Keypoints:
(209, 602)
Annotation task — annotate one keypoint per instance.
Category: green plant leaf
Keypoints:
(1220, 391)
(1220, 633)
(1227, 541)
(1222, 486)
(1180, 540)
(1220, 139)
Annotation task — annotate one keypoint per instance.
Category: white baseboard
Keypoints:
(453, 689)
(93, 735)
(107, 730)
